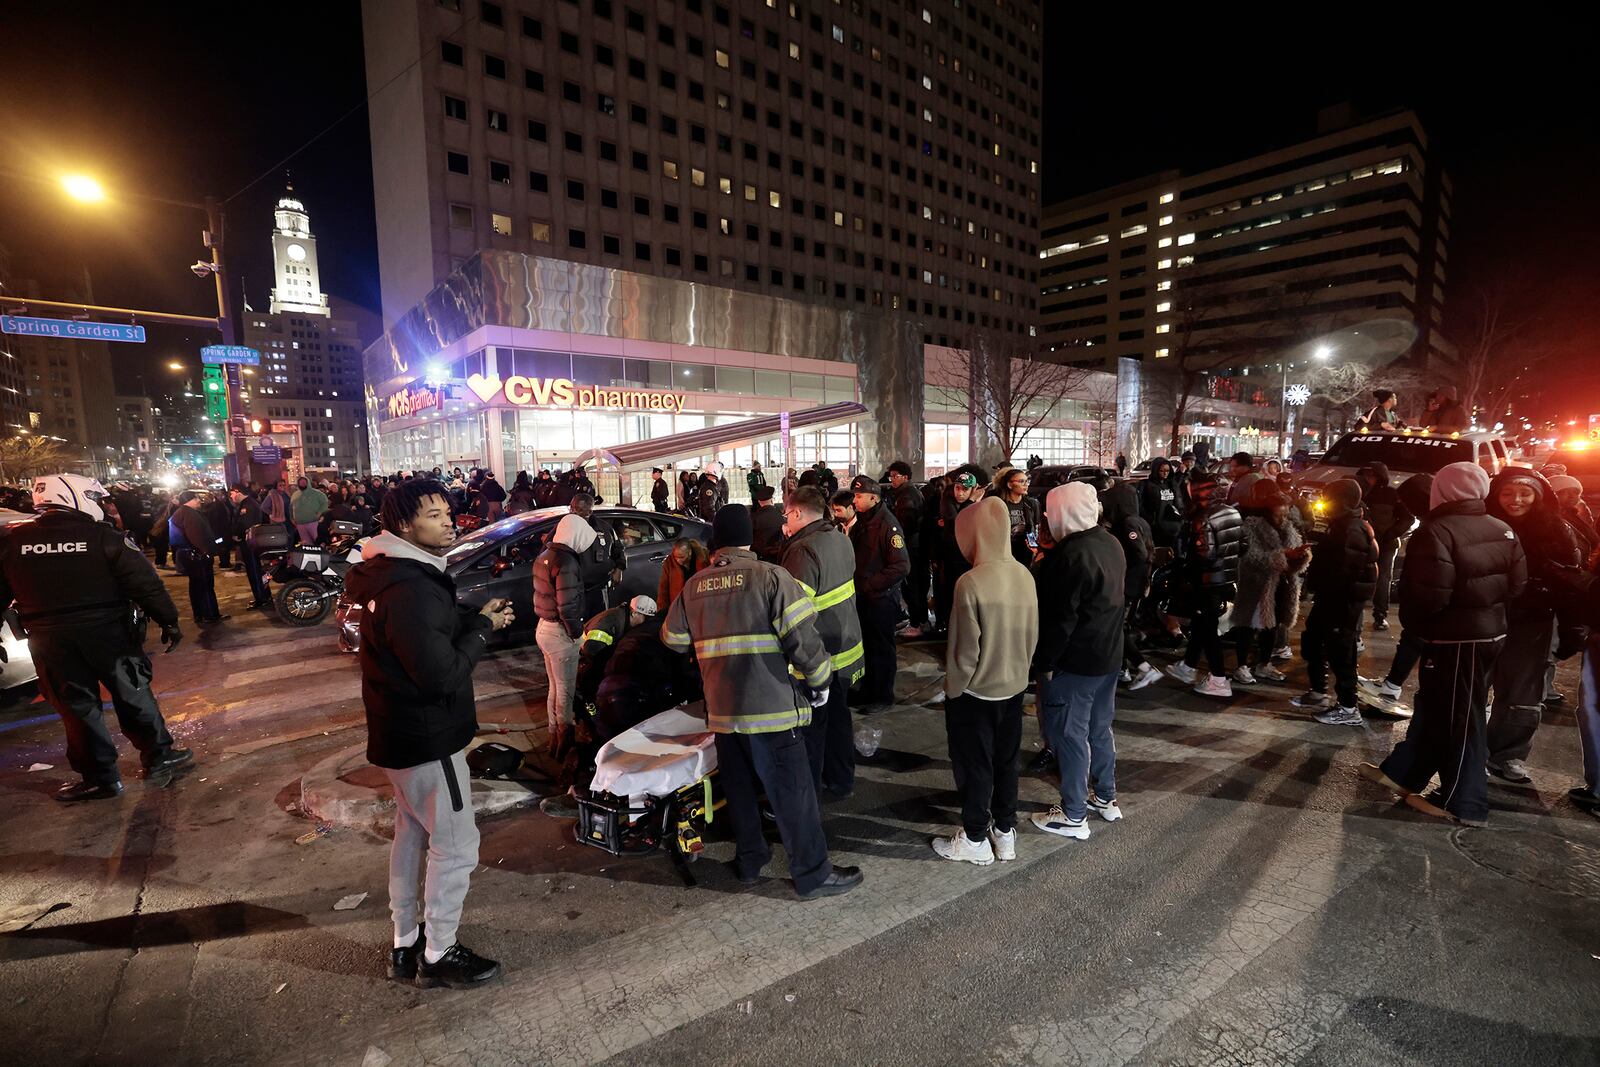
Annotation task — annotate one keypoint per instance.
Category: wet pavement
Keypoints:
(1258, 904)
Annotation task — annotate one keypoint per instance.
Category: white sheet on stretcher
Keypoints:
(658, 757)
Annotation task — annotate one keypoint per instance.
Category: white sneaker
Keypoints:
(1106, 809)
(1148, 675)
(1055, 821)
(1125, 676)
(1341, 717)
(1283, 653)
(1003, 844)
(937, 698)
(1183, 672)
(1311, 699)
(1266, 672)
(1243, 676)
(1361, 645)
(1214, 687)
(1389, 689)
(962, 848)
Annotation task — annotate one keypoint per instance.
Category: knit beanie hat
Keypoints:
(1565, 481)
(732, 527)
(1346, 492)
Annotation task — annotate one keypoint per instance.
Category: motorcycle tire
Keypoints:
(303, 602)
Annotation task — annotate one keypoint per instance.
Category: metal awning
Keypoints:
(692, 444)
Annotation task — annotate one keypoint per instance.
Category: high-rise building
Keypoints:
(869, 155)
(1335, 246)
(136, 430)
(310, 349)
(67, 390)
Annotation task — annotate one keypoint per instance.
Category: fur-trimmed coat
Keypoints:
(1269, 582)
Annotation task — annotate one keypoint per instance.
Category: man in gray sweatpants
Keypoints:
(418, 650)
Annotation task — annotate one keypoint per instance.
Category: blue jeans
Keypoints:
(1077, 710)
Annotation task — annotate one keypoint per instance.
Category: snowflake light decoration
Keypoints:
(1297, 394)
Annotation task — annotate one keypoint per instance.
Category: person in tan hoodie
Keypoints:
(994, 625)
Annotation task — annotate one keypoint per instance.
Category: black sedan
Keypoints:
(497, 561)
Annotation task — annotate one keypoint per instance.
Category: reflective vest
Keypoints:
(747, 623)
(822, 560)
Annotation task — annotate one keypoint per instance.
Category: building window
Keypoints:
(451, 53)
(670, 169)
(537, 131)
(674, 257)
(641, 205)
(494, 66)
(1166, 198)
(499, 172)
(532, 79)
(750, 193)
(774, 198)
(538, 181)
(460, 218)
(608, 197)
(492, 14)
(497, 120)
(610, 244)
(641, 251)
(539, 230)
(697, 177)
(576, 239)
(532, 28)
(719, 54)
(456, 163)
(574, 189)
(574, 141)
(455, 108)
(501, 224)
(572, 91)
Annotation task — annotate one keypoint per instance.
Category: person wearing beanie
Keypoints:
(1524, 501)
(753, 631)
(882, 563)
(599, 639)
(1390, 522)
(905, 500)
(994, 627)
(1267, 599)
(1342, 576)
(1119, 513)
(558, 601)
(766, 519)
(1569, 498)
(1413, 496)
(1081, 605)
(1463, 566)
(1209, 548)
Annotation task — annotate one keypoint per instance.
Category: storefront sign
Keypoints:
(564, 393)
(412, 399)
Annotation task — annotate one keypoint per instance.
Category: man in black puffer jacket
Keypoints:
(1390, 522)
(1342, 576)
(1463, 566)
(418, 650)
(1210, 545)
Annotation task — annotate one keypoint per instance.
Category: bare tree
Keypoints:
(1009, 391)
(24, 456)
(1503, 340)
(1102, 412)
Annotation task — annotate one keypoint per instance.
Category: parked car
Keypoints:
(497, 561)
(1043, 479)
(16, 662)
(1140, 471)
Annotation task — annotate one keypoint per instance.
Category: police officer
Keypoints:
(766, 517)
(72, 577)
(882, 562)
(602, 565)
(749, 623)
(821, 560)
(194, 544)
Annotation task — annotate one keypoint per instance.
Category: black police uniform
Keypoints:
(72, 579)
(596, 565)
(247, 514)
(194, 544)
(882, 563)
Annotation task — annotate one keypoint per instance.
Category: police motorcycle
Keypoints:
(312, 576)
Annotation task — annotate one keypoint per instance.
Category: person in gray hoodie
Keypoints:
(558, 600)
(1079, 656)
(994, 626)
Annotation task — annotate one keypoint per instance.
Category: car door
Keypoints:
(645, 545)
(507, 571)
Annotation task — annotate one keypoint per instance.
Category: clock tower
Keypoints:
(294, 260)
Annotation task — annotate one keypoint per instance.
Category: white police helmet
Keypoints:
(70, 491)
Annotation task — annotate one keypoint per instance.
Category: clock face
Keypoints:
(296, 252)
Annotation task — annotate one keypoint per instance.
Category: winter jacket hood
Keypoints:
(575, 532)
(1415, 492)
(984, 531)
(1072, 508)
(391, 544)
(1458, 481)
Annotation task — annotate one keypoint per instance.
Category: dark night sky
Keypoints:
(150, 98)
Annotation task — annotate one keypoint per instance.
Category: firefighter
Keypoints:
(73, 578)
(821, 560)
(748, 623)
(882, 562)
(599, 640)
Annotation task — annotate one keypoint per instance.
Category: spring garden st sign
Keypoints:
(521, 391)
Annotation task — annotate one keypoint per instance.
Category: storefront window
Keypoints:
(692, 377)
(596, 370)
(737, 380)
(806, 386)
(533, 363)
(838, 388)
(772, 383)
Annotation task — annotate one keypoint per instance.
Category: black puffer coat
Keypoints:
(1462, 568)
(1119, 513)
(1344, 567)
(1160, 507)
(1213, 540)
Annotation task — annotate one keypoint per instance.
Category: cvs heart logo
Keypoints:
(486, 388)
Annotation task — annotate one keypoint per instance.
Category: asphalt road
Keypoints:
(1259, 904)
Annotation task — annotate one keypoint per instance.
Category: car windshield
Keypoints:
(1578, 463)
(1413, 455)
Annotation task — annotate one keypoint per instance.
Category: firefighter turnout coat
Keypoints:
(822, 560)
(747, 622)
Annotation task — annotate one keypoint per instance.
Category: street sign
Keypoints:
(230, 354)
(783, 433)
(266, 452)
(83, 331)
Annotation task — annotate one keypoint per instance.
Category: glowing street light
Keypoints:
(175, 365)
(1323, 351)
(82, 187)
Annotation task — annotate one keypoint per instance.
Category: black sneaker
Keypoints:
(839, 882)
(1043, 762)
(1379, 625)
(1584, 799)
(403, 961)
(746, 880)
(86, 790)
(459, 968)
(173, 759)
(1555, 699)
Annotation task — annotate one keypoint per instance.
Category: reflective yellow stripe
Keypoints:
(736, 645)
(819, 677)
(597, 635)
(849, 656)
(809, 591)
(674, 639)
(794, 615)
(835, 596)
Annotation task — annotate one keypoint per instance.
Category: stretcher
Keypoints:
(652, 788)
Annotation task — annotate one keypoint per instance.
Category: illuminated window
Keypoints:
(1163, 353)
(1134, 231)
(774, 198)
(750, 193)
(1186, 239)
(838, 218)
(725, 184)
(838, 34)
(1163, 285)
(670, 169)
(501, 224)
(1166, 220)
(1165, 242)
(1165, 305)
(1185, 261)
(1164, 327)
(794, 50)
(1167, 198)
(722, 59)
(1164, 264)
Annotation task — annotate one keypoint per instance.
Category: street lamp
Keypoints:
(82, 187)
(1321, 352)
(175, 365)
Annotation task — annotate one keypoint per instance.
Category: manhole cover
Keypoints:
(1543, 860)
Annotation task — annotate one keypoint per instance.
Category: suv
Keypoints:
(1405, 453)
